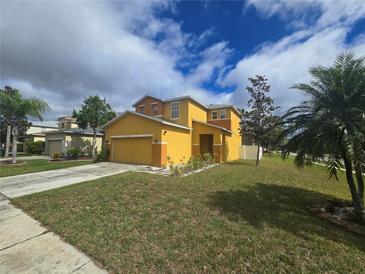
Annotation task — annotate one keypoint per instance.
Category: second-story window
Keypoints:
(154, 108)
(214, 115)
(174, 110)
(223, 114)
(141, 109)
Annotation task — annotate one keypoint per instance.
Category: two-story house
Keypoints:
(174, 129)
(69, 135)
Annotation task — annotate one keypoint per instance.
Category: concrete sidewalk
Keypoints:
(20, 185)
(27, 247)
(24, 158)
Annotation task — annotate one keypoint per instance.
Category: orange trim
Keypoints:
(217, 151)
(159, 155)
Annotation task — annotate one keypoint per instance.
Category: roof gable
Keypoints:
(143, 98)
(159, 120)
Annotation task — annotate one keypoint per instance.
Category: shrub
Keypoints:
(74, 153)
(35, 147)
(194, 163)
(208, 159)
(102, 156)
(56, 156)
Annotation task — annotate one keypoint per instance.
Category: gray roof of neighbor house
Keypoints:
(79, 131)
(156, 119)
(67, 117)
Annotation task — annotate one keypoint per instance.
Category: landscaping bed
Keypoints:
(231, 218)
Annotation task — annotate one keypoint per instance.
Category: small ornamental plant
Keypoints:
(193, 164)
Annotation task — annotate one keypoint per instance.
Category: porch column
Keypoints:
(195, 150)
(217, 152)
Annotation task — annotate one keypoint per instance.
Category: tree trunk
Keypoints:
(360, 183)
(258, 154)
(93, 145)
(356, 201)
(7, 144)
(14, 147)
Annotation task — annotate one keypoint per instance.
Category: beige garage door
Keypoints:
(54, 146)
(132, 150)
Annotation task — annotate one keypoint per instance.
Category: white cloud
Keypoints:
(64, 51)
(213, 58)
(287, 61)
(285, 66)
(344, 12)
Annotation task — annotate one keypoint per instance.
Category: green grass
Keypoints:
(37, 165)
(232, 218)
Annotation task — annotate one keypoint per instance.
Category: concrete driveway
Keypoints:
(20, 185)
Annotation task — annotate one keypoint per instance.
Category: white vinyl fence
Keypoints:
(249, 152)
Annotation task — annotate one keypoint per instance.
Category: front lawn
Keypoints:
(232, 218)
(37, 165)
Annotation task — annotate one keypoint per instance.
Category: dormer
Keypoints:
(150, 106)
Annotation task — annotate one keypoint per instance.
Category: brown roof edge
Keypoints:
(186, 97)
(144, 97)
(164, 122)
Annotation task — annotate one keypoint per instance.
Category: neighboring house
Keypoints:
(36, 132)
(173, 129)
(69, 135)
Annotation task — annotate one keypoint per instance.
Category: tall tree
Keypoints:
(273, 137)
(254, 122)
(330, 126)
(94, 113)
(6, 112)
(14, 110)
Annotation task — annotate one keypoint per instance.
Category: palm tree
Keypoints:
(15, 109)
(330, 125)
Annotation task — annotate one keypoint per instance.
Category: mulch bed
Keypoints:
(340, 213)
(70, 159)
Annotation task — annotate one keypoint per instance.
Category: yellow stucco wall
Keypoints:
(234, 141)
(83, 142)
(196, 112)
(183, 112)
(39, 138)
(199, 128)
(178, 143)
(132, 124)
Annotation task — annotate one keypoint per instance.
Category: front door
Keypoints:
(206, 144)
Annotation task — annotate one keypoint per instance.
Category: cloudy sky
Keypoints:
(63, 51)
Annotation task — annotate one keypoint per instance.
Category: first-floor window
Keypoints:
(175, 110)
